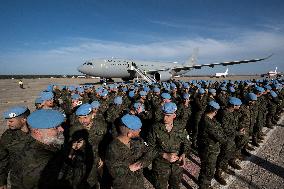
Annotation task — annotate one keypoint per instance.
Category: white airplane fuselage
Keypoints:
(119, 68)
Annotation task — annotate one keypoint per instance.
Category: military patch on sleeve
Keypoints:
(146, 144)
(187, 137)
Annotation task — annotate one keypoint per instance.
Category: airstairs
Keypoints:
(143, 75)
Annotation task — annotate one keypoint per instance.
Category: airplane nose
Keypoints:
(80, 69)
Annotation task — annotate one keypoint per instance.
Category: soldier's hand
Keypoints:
(100, 164)
(3, 187)
(174, 157)
(135, 166)
(242, 131)
(182, 160)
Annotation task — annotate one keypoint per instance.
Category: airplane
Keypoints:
(222, 74)
(151, 71)
(271, 73)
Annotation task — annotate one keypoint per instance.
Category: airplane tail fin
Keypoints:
(227, 70)
(193, 59)
(275, 70)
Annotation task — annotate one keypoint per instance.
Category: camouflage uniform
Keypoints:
(210, 137)
(162, 141)
(12, 143)
(229, 123)
(39, 166)
(184, 115)
(199, 106)
(112, 113)
(118, 159)
(245, 121)
(272, 107)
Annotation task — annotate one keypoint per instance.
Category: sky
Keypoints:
(56, 36)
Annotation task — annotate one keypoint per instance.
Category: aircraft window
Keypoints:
(85, 63)
(89, 63)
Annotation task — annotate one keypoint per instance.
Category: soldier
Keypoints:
(123, 152)
(170, 142)
(229, 123)
(104, 101)
(212, 95)
(97, 128)
(210, 137)
(184, 111)
(158, 113)
(246, 121)
(222, 97)
(114, 112)
(12, 143)
(272, 107)
(38, 103)
(41, 159)
(48, 100)
(257, 129)
(199, 105)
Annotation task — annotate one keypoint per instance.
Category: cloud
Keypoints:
(65, 58)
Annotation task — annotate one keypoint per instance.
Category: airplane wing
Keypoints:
(199, 66)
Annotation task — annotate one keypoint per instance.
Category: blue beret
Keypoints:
(14, 112)
(186, 96)
(273, 94)
(142, 93)
(45, 119)
(156, 90)
(104, 93)
(147, 89)
(131, 94)
(118, 100)
(251, 96)
(38, 100)
(80, 90)
(95, 104)
(223, 88)
(132, 122)
(235, 101)
(166, 96)
(71, 88)
(259, 89)
(99, 89)
(201, 91)
(214, 104)
(267, 87)
(137, 105)
(169, 108)
(212, 91)
(232, 89)
(186, 85)
(47, 96)
(173, 86)
(124, 89)
(75, 97)
(49, 88)
(84, 109)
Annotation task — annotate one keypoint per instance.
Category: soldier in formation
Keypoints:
(87, 137)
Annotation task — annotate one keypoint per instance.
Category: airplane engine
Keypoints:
(163, 76)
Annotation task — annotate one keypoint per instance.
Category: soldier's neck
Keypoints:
(125, 140)
(25, 129)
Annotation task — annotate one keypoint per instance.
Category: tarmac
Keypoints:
(264, 169)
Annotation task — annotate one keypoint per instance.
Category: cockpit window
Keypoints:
(89, 63)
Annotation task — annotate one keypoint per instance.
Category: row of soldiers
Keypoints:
(87, 137)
